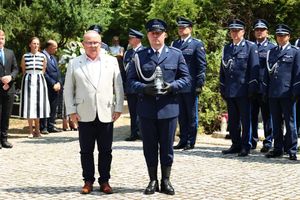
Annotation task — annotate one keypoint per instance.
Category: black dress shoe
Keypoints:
(231, 150)
(132, 138)
(293, 156)
(243, 153)
(179, 146)
(54, 130)
(166, 187)
(152, 187)
(274, 154)
(265, 149)
(188, 147)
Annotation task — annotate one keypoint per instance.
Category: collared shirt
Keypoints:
(261, 43)
(185, 39)
(238, 44)
(283, 47)
(93, 68)
(137, 47)
(159, 50)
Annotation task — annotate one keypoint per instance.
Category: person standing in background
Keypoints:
(34, 92)
(134, 40)
(195, 58)
(8, 74)
(54, 83)
(260, 28)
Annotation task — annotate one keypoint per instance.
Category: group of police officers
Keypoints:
(163, 83)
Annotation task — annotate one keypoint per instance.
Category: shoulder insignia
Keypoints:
(174, 48)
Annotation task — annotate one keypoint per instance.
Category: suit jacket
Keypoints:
(52, 74)
(175, 72)
(284, 81)
(10, 67)
(88, 100)
(195, 58)
(240, 78)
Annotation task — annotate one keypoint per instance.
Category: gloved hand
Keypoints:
(150, 89)
(198, 91)
(167, 88)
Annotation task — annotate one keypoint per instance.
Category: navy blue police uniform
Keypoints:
(297, 44)
(259, 103)
(98, 29)
(282, 86)
(195, 57)
(158, 112)
(238, 81)
(130, 93)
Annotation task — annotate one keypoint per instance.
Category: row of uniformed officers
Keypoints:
(253, 76)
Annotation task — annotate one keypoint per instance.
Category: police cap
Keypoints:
(156, 25)
(282, 29)
(236, 24)
(183, 22)
(96, 28)
(135, 33)
(260, 23)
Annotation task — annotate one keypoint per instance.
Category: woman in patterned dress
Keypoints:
(34, 95)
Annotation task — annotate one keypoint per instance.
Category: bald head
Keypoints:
(92, 44)
(51, 47)
(91, 34)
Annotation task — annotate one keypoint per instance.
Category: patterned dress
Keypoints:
(34, 92)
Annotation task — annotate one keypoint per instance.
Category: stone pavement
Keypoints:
(49, 168)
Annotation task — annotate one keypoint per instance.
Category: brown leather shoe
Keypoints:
(105, 187)
(87, 188)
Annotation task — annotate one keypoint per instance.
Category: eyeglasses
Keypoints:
(91, 43)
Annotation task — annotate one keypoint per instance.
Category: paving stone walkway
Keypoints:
(49, 168)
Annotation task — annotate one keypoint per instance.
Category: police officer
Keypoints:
(157, 105)
(282, 81)
(297, 44)
(238, 82)
(260, 28)
(99, 30)
(134, 41)
(194, 55)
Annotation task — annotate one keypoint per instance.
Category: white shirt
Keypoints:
(93, 67)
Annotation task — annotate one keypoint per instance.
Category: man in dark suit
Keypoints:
(282, 87)
(54, 83)
(135, 38)
(297, 44)
(238, 83)
(194, 55)
(260, 28)
(8, 73)
(157, 73)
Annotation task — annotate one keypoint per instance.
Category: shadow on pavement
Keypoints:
(70, 189)
(50, 140)
(216, 152)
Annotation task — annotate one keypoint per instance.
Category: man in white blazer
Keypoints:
(94, 97)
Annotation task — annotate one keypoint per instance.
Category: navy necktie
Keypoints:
(52, 60)
(157, 54)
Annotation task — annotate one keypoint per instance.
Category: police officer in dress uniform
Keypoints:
(282, 86)
(157, 73)
(194, 55)
(260, 28)
(297, 44)
(99, 30)
(134, 41)
(238, 82)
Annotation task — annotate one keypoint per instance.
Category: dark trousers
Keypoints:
(49, 123)
(298, 116)
(132, 102)
(259, 104)
(6, 104)
(89, 133)
(158, 135)
(239, 111)
(284, 109)
(188, 117)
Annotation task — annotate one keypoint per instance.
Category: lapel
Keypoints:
(164, 54)
(53, 65)
(83, 67)
(284, 51)
(104, 64)
(152, 55)
(239, 47)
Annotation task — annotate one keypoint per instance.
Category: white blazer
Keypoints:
(86, 99)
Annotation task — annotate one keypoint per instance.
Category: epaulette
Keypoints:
(174, 48)
(198, 40)
(294, 47)
(250, 42)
